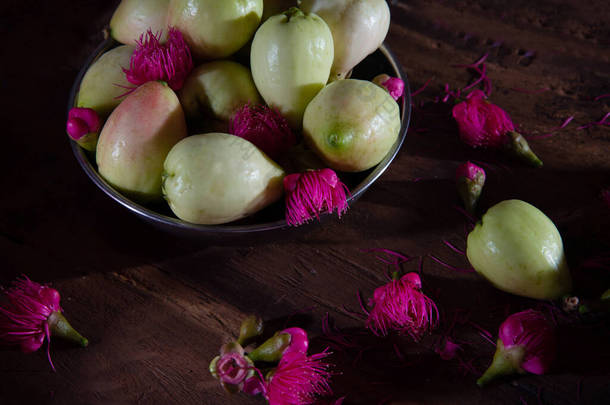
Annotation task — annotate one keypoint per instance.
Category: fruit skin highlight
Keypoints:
(215, 29)
(352, 124)
(105, 82)
(136, 139)
(217, 178)
(218, 89)
(519, 250)
(291, 57)
(358, 27)
(132, 18)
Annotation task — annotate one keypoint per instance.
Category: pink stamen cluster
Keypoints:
(171, 62)
(481, 123)
(265, 127)
(24, 313)
(401, 305)
(312, 193)
(82, 121)
(299, 379)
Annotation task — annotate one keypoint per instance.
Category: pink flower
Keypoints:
(31, 312)
(482, 123)
(82, 121)
(170, 62)
(470, 180)
(265, 127)
(400, 305)
(312, 193)
(526, 343)
(394, 85)
(298, 379)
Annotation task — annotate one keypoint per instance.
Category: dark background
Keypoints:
(157, 307)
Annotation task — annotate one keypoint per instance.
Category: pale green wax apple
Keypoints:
(352, 124)
(290, 60)
(217, 89)
(358, 27)
(136, 139)
(215, 29)
(519, 250)
(217, 178)
(105, 82)
(132, 18)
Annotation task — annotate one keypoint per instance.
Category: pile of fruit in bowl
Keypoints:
(202, 113)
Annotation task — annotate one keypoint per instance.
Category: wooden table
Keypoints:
(157, 308)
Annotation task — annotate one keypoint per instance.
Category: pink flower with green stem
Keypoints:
(483, 124)
(470, 180)
(30, 313)
(526, 343)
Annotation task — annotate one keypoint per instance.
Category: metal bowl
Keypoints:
(271, 218)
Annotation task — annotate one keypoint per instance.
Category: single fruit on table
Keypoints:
(215, 29)
(217, 178)
(136, 139)
(519, 250)
(133, 18)
(358, 27)
(352, 124)
(105, 82)
(290, 60)
(217, 90)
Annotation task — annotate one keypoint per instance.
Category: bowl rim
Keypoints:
(176, 223)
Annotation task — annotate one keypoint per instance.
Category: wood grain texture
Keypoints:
(157, 308)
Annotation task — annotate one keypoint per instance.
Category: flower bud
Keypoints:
(470, 180)
(272, 349)
(251, 327)
(394, 85)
